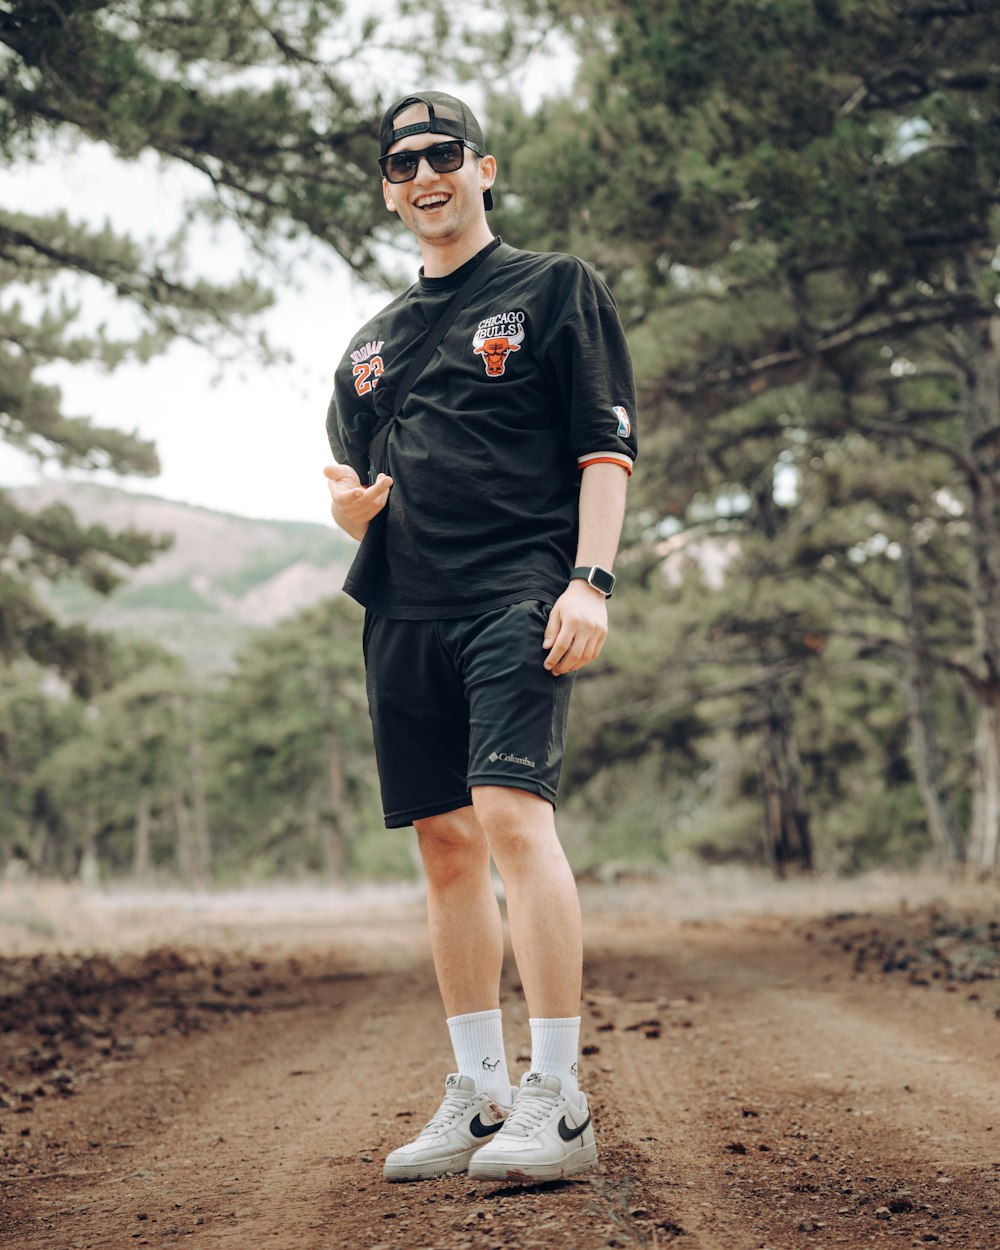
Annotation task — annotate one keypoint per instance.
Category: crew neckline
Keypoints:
(457, 275)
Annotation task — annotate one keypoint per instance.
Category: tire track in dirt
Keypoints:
(782, 1113)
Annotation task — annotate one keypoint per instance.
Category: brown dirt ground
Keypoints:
(769, 1067)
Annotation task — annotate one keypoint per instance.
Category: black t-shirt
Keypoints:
(531, 383)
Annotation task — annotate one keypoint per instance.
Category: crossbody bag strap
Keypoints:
(479, 274)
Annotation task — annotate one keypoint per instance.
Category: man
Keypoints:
(487, 538)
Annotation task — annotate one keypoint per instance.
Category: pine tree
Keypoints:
(289, 739)
(258, 100)
(797, 206)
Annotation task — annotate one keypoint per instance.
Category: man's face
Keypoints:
(437, 208)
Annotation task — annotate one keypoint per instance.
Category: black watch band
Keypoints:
(600, 578)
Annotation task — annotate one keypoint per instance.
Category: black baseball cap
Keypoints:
(446, 115)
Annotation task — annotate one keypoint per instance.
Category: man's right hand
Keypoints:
(354, 505)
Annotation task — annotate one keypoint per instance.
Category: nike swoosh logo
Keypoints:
(569, 1134)
(478, 1129)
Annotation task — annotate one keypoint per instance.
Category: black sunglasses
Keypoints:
(443, 158)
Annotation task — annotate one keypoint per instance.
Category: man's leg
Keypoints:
(467, 945)
(549, 1133)
(462, 912)
(543, 907)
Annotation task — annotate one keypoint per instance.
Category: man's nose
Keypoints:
(424, 170)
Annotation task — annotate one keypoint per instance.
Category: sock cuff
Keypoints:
(473, 1017)
(558, 1022)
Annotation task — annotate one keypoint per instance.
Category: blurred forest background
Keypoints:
(797, 204)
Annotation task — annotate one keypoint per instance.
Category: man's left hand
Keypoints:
(577, 628)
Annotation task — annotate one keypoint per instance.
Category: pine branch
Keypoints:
(871, 425)
(881, 642)
(904, 321)
(692, 694)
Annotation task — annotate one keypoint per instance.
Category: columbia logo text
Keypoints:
(504, 758)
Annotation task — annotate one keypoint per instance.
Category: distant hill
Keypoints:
(224, 577)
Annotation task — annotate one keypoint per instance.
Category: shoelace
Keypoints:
(529, 1112)
(455, 1104)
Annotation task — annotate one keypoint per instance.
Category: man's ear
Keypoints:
(387, 196)
(487, 172)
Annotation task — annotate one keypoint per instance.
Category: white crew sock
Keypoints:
(554, 1048)
(477, 1039)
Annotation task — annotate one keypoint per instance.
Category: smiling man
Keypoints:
(482, 428)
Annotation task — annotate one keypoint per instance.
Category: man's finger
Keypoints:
(381, 484)
(376, 495)
(559, 648)
(341, 473)
(552, 627)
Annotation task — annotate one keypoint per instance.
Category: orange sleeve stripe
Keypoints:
(606, 457)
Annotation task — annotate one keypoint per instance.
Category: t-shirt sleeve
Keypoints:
(349, 421)
(589, 357)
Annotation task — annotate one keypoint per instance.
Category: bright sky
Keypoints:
(252, 442)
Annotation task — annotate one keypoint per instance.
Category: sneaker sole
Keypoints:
(425, 1171)
(528, 1173)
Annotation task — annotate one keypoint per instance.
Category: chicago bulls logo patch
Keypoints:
(496, 338)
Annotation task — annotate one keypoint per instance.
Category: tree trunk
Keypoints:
(985, 823)
(924, 747)
(335, 849)
(90, 868)
(335, 842)
(787, 840)
(141, 859)
(186, 864)
(201, 843)
(978, 347)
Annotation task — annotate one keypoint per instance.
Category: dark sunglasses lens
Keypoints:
(401, 166)
(445, 158)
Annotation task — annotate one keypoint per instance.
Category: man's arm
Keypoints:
(352, 505)
(578, 622)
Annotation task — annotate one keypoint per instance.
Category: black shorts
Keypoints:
(462, 703)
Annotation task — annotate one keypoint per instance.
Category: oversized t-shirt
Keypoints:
(531, 383)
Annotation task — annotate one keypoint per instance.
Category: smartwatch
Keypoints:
(601, 579)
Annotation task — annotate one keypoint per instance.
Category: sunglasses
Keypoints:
(443, 158)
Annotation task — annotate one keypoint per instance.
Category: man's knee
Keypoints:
(516, 823)
(451, 844)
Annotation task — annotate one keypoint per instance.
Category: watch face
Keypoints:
(601, 579)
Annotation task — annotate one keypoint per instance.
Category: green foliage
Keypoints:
(268, 773)
(292, 764)
(178, 595)
(257, 100)
(311, 545)
(33, 724)
(795, 204)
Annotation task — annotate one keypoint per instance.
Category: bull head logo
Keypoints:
(495, 348)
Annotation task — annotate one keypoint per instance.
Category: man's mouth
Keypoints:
(426, 202)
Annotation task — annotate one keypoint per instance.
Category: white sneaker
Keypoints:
(448, 1140)
(546, 1136)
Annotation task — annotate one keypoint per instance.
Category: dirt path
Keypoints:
(758, 1081)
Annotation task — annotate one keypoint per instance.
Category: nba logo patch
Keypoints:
(624, 424)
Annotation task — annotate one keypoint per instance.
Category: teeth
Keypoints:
(429, 200)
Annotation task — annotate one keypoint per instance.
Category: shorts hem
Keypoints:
(530, 784)
(407, 815)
